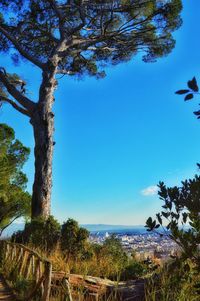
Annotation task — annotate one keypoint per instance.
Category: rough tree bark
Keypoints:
(42, 120)
(43, 133)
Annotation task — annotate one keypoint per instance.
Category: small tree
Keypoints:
(14, 200)
(74, 37)
(73, 239)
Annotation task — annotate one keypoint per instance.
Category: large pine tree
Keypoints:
(74, 38)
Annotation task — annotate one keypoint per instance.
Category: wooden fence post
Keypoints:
(47, 282)
(67, 285)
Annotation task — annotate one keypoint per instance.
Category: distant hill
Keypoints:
(104, 227)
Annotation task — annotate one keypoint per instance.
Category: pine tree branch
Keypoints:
(16, 94)
(60, 18)
(15, 105)
(65, 72)
(78, 44)
(6, 226)
(18, 46)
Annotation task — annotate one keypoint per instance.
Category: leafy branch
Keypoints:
(193, 89)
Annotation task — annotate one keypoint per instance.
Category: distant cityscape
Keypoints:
(137, 241)
(134, 239)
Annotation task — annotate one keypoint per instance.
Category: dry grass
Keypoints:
(95, 266)
(176, 281)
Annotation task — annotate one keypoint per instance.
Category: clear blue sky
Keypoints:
(118, 136)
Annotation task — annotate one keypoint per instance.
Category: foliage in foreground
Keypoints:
(181, 212)
(179, 220)
(14, 200)
(177, 281)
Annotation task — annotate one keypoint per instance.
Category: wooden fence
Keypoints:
(32, 278)
(19, 263)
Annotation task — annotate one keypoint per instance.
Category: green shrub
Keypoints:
(73, 240)
(111, 257)
(40, 233)
(133, 270)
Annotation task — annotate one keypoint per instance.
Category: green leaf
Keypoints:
(154, 224)
(159, 218)
(197, 113)
(165, 214)
(192, 84)
(189, 96)
(149, 222)
(182, 91)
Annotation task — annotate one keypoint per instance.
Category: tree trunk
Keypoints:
(42, 121)
(43, 151)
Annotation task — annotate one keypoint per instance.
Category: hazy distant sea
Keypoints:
(93, 228)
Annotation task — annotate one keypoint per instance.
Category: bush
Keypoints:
(133, 270)
(110, 258)
(73, 240)
(40, 233)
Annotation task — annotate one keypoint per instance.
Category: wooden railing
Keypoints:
(19, 263)
(32, 278)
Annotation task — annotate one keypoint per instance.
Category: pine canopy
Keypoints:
(93, 34)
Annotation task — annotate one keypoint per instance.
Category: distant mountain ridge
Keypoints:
(105, 227)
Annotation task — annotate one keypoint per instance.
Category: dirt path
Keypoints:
(5, 292)
(132, 290)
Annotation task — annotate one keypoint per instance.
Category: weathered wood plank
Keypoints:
(47, 283)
